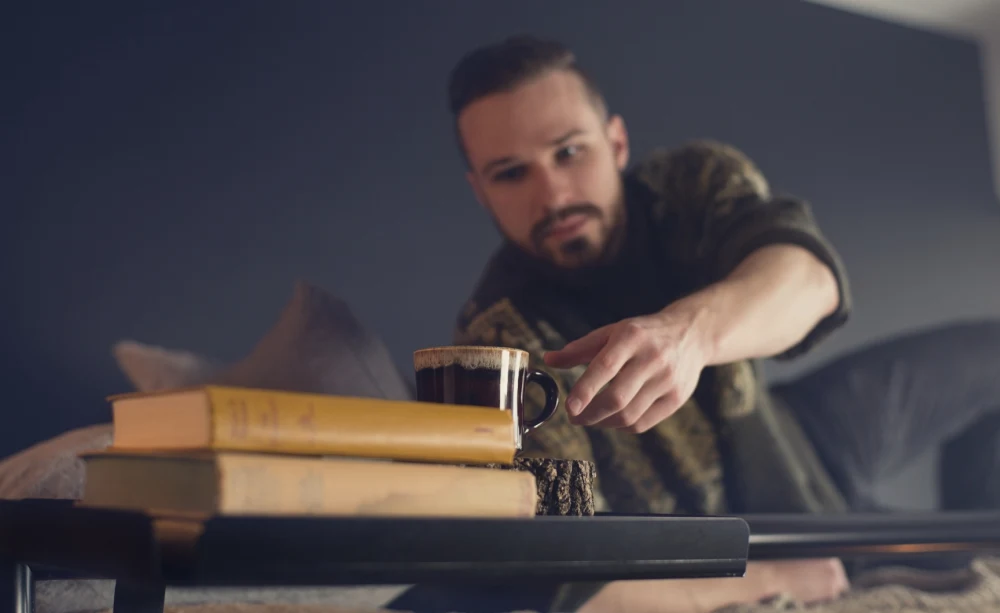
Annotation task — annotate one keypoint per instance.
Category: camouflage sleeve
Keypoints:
(718, 208)
(502, 324)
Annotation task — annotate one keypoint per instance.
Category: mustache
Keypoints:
(543, 227)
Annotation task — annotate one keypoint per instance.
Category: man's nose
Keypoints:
(552, 190)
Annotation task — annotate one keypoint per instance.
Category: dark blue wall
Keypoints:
(170, 169)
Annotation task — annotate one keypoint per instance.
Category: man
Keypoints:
(650, 291)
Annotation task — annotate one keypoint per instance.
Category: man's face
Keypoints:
(547, 165)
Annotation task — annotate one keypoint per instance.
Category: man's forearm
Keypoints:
(765, 306)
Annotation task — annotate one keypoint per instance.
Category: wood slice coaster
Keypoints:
(565, 487)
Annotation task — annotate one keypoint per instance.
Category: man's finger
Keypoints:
(662, 409)
(616, 395)
(646, 388)
(628, 417)
(605, 365)
(580, 351)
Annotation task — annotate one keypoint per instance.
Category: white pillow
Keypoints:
(51, 469)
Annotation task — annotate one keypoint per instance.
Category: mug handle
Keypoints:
(551, 389)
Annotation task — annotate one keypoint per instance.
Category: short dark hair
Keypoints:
(502, 66)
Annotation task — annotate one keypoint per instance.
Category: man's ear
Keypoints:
(618, 137)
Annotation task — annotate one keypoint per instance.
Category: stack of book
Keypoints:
(216, 450)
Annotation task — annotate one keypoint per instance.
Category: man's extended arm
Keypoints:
(772, 286)
(764, 307)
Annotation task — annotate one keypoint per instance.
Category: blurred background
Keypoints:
(171, 168)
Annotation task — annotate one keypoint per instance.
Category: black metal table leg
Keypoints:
(138, 598)
(17, 593)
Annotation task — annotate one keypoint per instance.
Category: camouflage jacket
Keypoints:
(693, 214)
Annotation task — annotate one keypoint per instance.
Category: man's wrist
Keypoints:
(700, 319)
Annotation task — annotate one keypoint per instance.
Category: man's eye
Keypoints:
(568, 152)
(510, 174)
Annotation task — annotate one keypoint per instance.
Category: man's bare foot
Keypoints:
(805, 580)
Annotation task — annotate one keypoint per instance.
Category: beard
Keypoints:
(580, 251)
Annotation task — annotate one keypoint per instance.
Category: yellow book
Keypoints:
(234, 483)
(244, 419)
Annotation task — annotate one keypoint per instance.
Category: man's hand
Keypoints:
(650, 366)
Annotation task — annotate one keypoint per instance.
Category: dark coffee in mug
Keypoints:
(483, 376)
